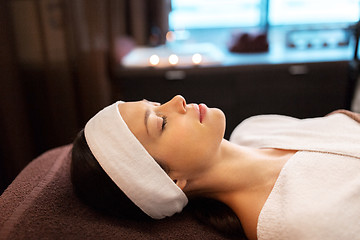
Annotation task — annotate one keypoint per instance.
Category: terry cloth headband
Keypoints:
(130, 166)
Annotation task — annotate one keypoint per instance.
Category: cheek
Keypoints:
(190, 150)
(193, 138)
(188, 144)
(178, 148)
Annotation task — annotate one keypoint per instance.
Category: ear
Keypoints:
(181, 183)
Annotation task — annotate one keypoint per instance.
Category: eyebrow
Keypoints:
(146, 117)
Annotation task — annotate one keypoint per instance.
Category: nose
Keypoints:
(177, 103)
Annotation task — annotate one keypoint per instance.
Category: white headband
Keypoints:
(130, 166)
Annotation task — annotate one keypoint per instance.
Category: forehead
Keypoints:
(133, 114)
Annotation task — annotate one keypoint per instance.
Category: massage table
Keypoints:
(40, 204)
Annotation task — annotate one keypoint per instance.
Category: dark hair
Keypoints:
(218, 216)
(94, 187)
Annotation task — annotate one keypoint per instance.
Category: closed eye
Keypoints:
(164, 122)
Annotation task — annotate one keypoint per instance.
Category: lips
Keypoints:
(202, 110)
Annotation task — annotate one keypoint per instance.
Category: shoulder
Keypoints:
(277, 125)
(260, 124)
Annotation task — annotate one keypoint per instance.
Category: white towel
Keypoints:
(317, 194)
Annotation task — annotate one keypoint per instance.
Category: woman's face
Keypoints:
(183, 137)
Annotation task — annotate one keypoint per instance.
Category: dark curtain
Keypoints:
(56, 62)
(15, 140)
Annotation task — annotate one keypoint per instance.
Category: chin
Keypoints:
(221, 121)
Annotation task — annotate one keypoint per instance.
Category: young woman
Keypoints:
(278, 177)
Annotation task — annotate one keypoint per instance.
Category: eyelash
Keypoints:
(164, 122)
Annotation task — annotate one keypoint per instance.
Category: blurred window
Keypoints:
(200, 14)
(296, 12)
(207, 14)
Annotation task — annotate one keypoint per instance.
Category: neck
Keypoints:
(242, 178)
(236, 169)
